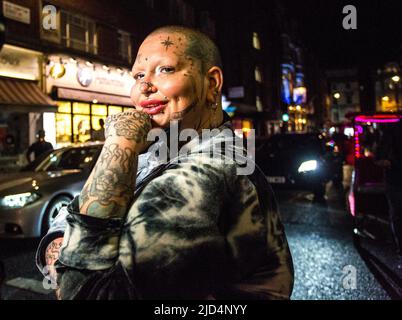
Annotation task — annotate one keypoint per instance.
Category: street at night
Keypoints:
(321, 241)
(200, 150)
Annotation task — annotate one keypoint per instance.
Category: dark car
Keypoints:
(298, 160)
(31, 199)
(367, 197)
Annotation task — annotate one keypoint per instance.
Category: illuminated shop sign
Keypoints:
(300, 95)
(16, 62)
(67, 72)
(287, 83)
(16, 12)
(300, 91)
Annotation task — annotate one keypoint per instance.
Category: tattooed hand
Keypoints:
(132, 125)
(52, 254)
(110, 187)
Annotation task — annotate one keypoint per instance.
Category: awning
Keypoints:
(24, 96)
(90, 96)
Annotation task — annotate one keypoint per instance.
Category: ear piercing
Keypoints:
(214, 106)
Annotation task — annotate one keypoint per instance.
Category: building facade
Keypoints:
(75, 58)
(344, 92)
(388, 88)
(265, 67)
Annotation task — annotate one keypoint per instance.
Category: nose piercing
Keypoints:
(149, 85)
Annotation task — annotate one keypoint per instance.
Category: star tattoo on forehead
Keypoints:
(167, 43)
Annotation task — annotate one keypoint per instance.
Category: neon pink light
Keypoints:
(357, 143)
(351, 199)
(377, 120)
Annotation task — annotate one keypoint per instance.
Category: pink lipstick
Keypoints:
(153, 107)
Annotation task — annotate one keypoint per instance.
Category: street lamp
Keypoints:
(396, 80)
(337, 96)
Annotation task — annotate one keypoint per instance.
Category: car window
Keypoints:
(74, 158)
(32, 165)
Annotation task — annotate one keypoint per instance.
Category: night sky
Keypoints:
(378, 37)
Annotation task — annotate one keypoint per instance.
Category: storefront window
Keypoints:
(76, 119)
(79, 107)
(81, 128)
(95, 122)
(114, 109)
(99, 109)
(63, 128)
(64, 106)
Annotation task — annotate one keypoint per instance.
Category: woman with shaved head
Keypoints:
(184, 226)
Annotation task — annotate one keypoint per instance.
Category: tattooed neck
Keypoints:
(179, 115)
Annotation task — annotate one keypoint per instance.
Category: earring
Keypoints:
(214, 106)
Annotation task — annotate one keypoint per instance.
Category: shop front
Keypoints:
(22, 104)
(85, 93)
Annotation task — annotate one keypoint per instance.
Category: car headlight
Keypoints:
(19, 200)
(309, 165)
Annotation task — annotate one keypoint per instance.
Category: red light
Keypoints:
(357, 144)
(379, 118)
(351, 198)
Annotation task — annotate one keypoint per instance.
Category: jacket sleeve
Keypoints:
(176, 243)
(169, 245)
(90, 270)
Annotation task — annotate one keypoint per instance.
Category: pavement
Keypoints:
(328, 254)
(329, 264)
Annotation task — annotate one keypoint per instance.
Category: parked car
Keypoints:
(31, 199)
(366, 198)
(298, 160)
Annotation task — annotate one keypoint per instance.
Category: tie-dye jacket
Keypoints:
(195, 229)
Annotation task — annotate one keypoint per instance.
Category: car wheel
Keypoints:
(53, 210)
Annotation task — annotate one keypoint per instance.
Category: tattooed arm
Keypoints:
(110, 187)
(51, 256)
(106, 194)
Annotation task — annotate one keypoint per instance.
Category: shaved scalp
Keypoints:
(199, 46)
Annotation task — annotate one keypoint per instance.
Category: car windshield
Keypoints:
(64, 159)
(32, 165)
(370, 136)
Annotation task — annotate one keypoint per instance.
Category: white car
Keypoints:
(31, 199)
